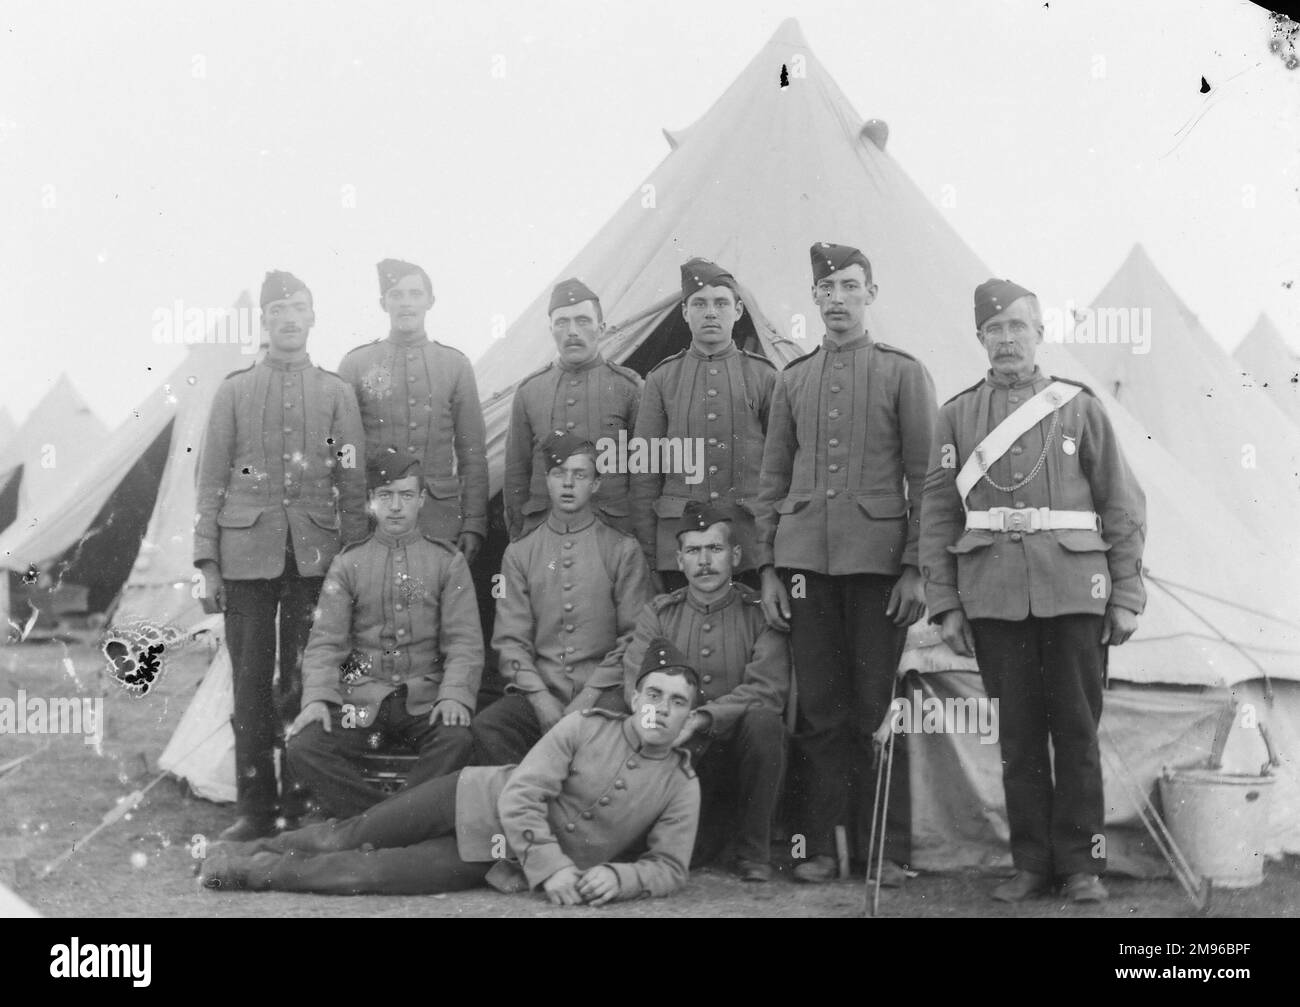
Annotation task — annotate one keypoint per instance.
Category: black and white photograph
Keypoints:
(705, 460)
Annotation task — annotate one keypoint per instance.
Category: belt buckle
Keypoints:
(1017, 520)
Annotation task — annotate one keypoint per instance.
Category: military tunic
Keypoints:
(593, 400)
(1036, 601)
(396, 631)
(419, 400)
(744, 669)
(719, 402)
(571, 596)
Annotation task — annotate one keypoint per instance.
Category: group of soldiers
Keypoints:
(652, 630)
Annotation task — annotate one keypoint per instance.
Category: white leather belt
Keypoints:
(1030, 519)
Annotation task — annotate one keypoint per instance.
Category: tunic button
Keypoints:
(707, 626)
(712, 392)
(830, 493)
(411, 378)
(568, 606)
(571, 827)
(707, 678)
(713, 470)
(834, 414)
(412, 424)
(835, 388)
(1016, 536)
(834, 442)
(713, 495)
(573, 383)
(568, 627)
(570, 425)
(1013, 398)
(286, 501)
(288, 430)
(620, 785)
(411, 449)
(711, 441)
(711, 416)
(1017, 475)
(398, 606)
(839, 364)
(604, 800)
(588, 815)
(1019, 504)
(401, 632)
(568, 650)
(568, 545)
(713, 370)
(1017, 449)
(705, 652)
(284, 457)
(632, 763)
(571, 402)
(568, 587)
(568, 563)
(397, 678)
(834, 468)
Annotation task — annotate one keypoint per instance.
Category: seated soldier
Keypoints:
(597, 788)
(735, 734)
(395, 654)
(571, 591)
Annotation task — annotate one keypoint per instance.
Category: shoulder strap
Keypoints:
(1000, 438)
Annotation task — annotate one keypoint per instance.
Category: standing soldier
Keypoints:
(1032, 539)
(278, 480)
(579, 393)
(735, 733)
(571, 591)
(419, 402)
(712, 394)
(850, 421)
(396, 654)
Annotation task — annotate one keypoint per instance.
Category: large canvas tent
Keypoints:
(138, 487)
(1191, 397)
(782, 160)
(1271, 365)
(55, 442)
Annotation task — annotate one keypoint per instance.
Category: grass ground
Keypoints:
(140, 866)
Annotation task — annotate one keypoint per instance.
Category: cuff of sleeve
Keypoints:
(205, 551)
(320, 694)
(526, 680)
(763, 555)
(458, 693)
(629, 882)
(941, 598)
(478, 525)
(1128, 593)
(543, 860)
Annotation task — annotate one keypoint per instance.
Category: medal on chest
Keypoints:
(1067, 444)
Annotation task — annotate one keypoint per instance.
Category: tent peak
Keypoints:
(788, 34)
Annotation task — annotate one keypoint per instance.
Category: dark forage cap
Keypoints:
(699, 273)
(280, 286)
(390, 467)
(391, 272)
(995, 296)
(570, 292)
(559, 448)
(663, 655)
(700, 516)
(830, 258)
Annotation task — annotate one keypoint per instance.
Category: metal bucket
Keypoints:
(1219, 820)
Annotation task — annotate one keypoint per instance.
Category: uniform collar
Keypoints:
(998, 381)
(634, 740)
(716, 606)
(286, 365)
(398, 541)
(730, 350)
(568, 368)
(851, 344)
(408, 342)
(561, 526)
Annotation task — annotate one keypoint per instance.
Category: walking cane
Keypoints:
(879, 809)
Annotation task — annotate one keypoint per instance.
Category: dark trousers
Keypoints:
(263, 703)
(1047, 676)
(846, 653)
(326, 763)
(405, 845)
(506, 730)
(740, 782)
(673, 579)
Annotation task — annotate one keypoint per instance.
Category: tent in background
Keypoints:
(7, 429)
(1265, 356)
(91, 532)
(57, 440)
(1191, 398)
(767, 171)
